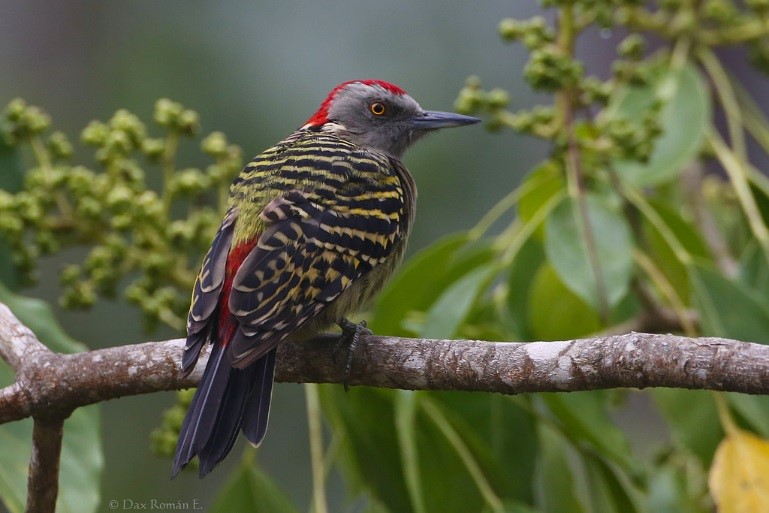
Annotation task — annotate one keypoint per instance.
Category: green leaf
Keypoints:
(567, 250)
(405, 423)
(423, 279)
(251, 490)
(81, 454)
(671, 490)
(448, 313)
(601, 455)
(556, 487)
(82, 462)
(584, 420)
(546, 181)
(502, 435)
(610, 491)
(692, 419)
(754, 271)
(663, 255)
(512, 507)
(488, 319)
(555, 313)
(762, 201)
(451, 459)
(729, 308)
(685, 117)
(519, 283)
(753, 409)
(362, 419)
(446, 441)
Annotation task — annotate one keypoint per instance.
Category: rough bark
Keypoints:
(52, 385)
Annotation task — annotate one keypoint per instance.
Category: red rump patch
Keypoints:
(321, 116)
(227, 322)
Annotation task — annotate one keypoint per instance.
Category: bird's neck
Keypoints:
(365, 140)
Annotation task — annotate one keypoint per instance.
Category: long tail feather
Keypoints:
(257, 411)
(221, 405)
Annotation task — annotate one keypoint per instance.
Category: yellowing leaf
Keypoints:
(739, 477)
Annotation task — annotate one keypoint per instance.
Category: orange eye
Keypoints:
(377, 109)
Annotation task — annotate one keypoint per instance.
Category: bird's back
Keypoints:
(366, 199)
(338, 173)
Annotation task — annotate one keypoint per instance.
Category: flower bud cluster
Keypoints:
(584, 110)
(164, 437)
(136, 239)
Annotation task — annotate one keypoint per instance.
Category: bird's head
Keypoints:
(379, 116)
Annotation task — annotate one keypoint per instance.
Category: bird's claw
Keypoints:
(350, 335)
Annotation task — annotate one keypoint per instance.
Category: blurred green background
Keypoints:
(256, 71)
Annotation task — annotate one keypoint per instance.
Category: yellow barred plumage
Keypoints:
(326, 213)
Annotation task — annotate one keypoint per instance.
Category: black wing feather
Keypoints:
(305, 259)
(205, 294)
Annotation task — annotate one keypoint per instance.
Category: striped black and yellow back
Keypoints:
(340, 174)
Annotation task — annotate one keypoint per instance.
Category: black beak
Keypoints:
(433, 120)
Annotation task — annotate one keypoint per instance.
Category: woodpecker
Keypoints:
(314, 227)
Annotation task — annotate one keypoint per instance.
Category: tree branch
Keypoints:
(17, 342)
(54, 384)
(43, 480)
(635, 360)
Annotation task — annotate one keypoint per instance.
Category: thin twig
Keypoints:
(738, 172)
(576, 182)
(691, 180)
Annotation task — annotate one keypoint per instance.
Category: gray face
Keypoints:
(375, 118)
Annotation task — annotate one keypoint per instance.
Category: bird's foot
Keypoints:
(350, 335)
